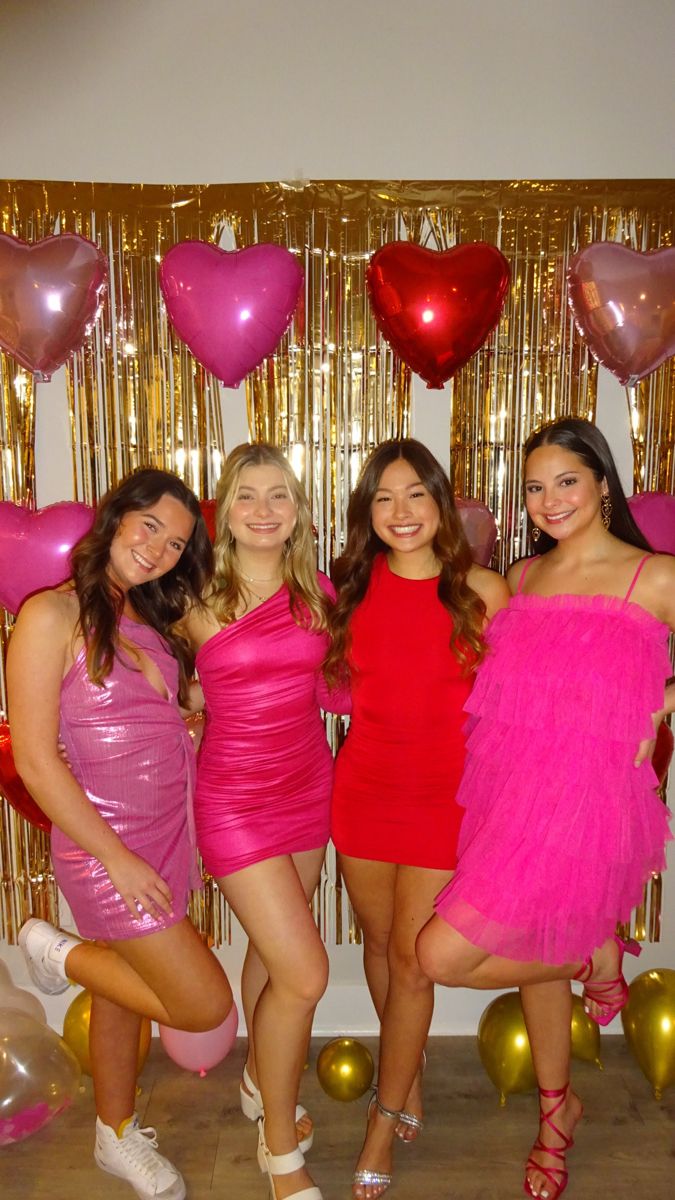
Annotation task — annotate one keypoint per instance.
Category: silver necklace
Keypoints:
(252, 579)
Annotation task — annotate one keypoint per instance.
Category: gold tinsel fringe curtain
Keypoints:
(333, 390)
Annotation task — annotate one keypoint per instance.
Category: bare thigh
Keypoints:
(184, 974)
(372, 890)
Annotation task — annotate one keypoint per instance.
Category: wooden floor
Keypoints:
(470, 1148)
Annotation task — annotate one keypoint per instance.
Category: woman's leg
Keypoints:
(308, 864)
(406, 1017)
(269, 900)
(371, 887)
(448, 958)
(114, 1036)
(548, 1014)
(169, 976)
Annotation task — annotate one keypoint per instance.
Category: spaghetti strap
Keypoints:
(524, 571)
(636, 576)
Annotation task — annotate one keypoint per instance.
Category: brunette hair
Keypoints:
(160, 602)
(352, 571)
(309, 603)
(590, 446)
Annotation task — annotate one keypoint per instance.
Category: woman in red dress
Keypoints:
(409, 627)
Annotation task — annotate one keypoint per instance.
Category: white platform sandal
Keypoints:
(252, 1107)
(282, 1164)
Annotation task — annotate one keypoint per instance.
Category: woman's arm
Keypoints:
(658, 596)
(491, 587)
(36, 664)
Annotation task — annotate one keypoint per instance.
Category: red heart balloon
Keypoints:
(35, 547)
(623, 302)
(208, 508)
(654, 515)
(231, 307)
(50, 293)
(480, 528)
(13, 787)
(437, 308)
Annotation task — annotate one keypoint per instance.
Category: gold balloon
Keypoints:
(649, 1025)
(76, 1032)
(585, 1034)
(504, 1047)
(345, 1069)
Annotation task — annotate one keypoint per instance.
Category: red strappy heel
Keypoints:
(557, 1176)
(610, 995)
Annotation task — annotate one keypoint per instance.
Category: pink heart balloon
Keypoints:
(623, 304)
(231, 307)
(654, 515)
(35, 547)
(480, 528)
(50, 293)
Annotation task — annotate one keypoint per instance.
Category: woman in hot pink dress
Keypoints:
(563, 825)
(109, 676)
(265, 777)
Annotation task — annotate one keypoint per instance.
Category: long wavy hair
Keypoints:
(159, 602)
(309, 603)
(590, 446)
(352, 571)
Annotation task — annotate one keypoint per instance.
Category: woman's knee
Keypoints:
(404, 967)
(303, 982)
(436, 959)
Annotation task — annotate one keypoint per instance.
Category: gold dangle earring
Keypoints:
(606, 509)
(536, 533)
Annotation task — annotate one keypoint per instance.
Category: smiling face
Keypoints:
(263, 513)
(404, 514)
(562, 494)
(149, 542)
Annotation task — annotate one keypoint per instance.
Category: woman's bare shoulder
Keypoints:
(490, 586)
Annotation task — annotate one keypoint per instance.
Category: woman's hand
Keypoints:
(646, 748)
(138, 884)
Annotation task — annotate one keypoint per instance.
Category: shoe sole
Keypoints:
(141, 1195)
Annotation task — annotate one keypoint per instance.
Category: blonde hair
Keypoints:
(309, 603)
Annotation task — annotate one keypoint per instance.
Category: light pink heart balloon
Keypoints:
(35, 547)
(654, 515)
(623, 302)
(231, 307)
(50, 293)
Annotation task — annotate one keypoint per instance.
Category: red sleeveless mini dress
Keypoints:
(397, 774)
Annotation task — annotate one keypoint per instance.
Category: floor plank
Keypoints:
(471, 1149)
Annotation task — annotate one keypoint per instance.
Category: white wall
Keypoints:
(162, 91)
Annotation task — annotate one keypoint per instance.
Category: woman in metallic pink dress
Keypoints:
(264, 779)
(110, 675)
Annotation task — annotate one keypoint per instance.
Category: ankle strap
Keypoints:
(553, 1093)
(385, 1112)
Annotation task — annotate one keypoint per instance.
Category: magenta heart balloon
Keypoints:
(623, 303)
(50, 293)
(654, 515)
(35, 547)
(231, 307)
(480, 528)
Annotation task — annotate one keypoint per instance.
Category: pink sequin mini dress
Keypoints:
(130, 750)
(561, 830)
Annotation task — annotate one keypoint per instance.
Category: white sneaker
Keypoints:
(134, 1157)
(45, 949)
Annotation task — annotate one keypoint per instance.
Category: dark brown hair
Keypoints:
(352, 571)
(160, 602)
(591, 447)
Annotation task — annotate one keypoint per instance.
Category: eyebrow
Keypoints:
(571, 471)
(417, 483)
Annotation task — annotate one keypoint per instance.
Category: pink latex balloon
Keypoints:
(231, 307)
(50, 293)
(480, 528)
(654, 515)
(200, 1051)
(623, 303)
(35, 547)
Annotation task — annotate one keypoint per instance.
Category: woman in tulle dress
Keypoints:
(563, 824)
(264, 779)
(95, 664)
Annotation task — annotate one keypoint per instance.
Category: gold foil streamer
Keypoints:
(333, 390)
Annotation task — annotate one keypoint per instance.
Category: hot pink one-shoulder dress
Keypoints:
(129, 749)
(265, 768)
